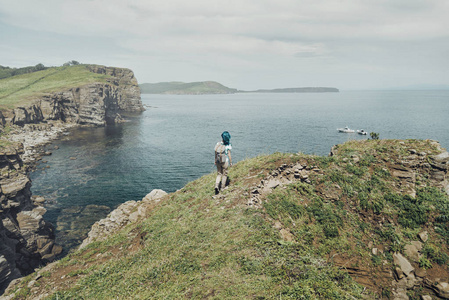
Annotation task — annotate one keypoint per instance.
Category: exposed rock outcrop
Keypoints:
(407, 171)
(33, 136)
(126, 213)
(128, 98)
(26, 240)
(280, 177)
(94, 103)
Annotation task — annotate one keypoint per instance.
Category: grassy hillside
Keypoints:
(307, 234)
(19, 90)
(181, 88)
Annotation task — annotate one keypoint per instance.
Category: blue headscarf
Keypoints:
(226, 136)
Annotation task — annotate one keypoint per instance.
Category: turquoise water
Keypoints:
(172, 142)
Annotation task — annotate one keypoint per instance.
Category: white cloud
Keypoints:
(280, 18)
(220, 44)
(354, 36)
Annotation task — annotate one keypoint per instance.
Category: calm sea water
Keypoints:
(172, 142)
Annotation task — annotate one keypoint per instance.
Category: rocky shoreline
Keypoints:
(27, 241)
(35, 136)
(23, 227)
(39, 235)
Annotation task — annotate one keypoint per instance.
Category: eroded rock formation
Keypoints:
(94, 103)
(26, 239)
(126, 213)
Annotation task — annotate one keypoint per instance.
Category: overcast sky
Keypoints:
(244, 44)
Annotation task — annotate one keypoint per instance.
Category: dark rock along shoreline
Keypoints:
(27, 241)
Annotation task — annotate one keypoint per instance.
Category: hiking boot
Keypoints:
(216, 190)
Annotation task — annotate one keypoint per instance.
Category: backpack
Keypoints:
(220, 153)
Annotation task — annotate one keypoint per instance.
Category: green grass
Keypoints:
(19, 90)
(195, 248)
(194, 245)
(230, 254)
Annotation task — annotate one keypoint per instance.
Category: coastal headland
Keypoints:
(35, 109)
(212, 87)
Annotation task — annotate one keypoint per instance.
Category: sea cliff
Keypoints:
(27, 241)
(97, 103)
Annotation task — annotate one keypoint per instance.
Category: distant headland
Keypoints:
(182, 88)
(212, 87)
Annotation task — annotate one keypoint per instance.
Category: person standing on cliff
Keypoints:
(223, 160)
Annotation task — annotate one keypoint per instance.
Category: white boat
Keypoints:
(361, 131)
(346, 130)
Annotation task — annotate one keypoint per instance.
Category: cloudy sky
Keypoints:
(244, 44)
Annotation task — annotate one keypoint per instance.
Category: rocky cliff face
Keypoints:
(128, 98)
(95, 104)
(26, 240)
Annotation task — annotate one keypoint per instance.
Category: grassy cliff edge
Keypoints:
(21, 89)
(289, 226)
